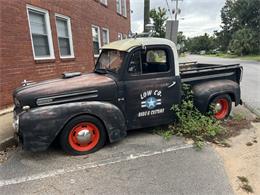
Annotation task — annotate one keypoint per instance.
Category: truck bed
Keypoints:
(193, 72)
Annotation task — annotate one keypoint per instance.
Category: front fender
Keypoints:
(40, 126)
(204, 93)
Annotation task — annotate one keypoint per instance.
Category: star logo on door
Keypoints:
(150, 103)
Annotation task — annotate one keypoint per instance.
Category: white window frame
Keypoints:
(48, 28)
(124, 12)
(99, 39)
(120, 7)
(105, 29)
(69, 33)
(119, 35)
(104, 2)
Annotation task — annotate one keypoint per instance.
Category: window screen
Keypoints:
(95, 37)
(63, 36)
(39, 33)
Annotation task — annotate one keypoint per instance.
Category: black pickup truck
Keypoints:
(134, 85)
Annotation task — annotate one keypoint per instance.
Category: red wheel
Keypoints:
(222, 107)
(83, 135)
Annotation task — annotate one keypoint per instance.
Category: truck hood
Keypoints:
(86, 87)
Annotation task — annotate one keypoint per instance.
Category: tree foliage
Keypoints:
(240, 26)
(199, 43)
(159, 17)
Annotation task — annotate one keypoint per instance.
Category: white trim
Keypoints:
(124, 12)
(48, 28)
(121, 35)
(69, 33)
(105, 29)
(99, 39)
(120, 6)
(104, 2)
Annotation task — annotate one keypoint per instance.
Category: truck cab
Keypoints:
(134, 85)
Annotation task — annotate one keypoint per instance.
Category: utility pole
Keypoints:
(146, 14)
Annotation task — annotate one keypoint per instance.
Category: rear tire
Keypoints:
(83, 135)
(222, 105)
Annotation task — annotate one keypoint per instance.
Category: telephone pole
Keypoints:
(146, 14)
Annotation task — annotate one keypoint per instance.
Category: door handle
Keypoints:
(172, 84)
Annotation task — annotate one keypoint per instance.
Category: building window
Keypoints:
(104, 2)
(118, 6)
(105, 36)
(120, 36)
(64, 36)
(124, 8)
(121, 7)
(96, 40)
(40, 31)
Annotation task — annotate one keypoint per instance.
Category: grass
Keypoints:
(225, 55)
(244, 184)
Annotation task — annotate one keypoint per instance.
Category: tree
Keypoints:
(242, 16)
(243, 42)
(159, 17)
(199, 43)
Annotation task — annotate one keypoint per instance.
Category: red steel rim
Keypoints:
(222, 113)
(95, 135)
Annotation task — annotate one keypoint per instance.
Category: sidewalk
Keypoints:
(6, 130)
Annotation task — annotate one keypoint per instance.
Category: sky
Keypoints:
(196, 18)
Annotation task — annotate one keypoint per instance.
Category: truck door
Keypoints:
(151, 87)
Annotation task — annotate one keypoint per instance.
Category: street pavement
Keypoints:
(143, 163)
(250, 85)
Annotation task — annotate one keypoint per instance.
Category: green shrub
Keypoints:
(192, 123)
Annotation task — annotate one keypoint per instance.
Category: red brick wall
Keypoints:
(17, 62)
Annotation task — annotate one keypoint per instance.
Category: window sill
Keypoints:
(68, 59)
(40, 61)
(121, 15)
(105, 5)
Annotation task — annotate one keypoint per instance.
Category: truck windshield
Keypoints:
(110, 61)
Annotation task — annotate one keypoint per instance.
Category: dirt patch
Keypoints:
(4, 154)
(242, 160)
(233, 127)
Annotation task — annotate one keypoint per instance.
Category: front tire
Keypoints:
(83, 135)
(222, 106)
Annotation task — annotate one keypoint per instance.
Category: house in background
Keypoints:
(40, 40)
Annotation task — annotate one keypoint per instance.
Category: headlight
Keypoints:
(16, 123)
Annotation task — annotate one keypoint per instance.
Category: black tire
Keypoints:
(226, 102)
(65, 140)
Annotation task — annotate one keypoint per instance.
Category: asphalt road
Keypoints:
(142, 163)
(250, 85)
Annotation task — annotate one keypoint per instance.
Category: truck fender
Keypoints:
(204, 93)
(40, 126)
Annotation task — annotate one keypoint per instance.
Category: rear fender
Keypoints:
(204, 93)
(41, 125)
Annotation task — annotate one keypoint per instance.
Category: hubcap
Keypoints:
(84, 136)
(218, 107)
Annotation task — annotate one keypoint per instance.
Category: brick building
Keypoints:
(41, 39)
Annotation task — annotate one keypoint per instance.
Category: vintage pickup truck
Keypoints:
(134, 85)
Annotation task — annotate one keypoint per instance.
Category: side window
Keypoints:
(155, 61)
(135, 64)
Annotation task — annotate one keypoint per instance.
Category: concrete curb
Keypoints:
(8, 142)
(252, 109)
(6, 111)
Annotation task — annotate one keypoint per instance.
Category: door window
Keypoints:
(151, 61)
